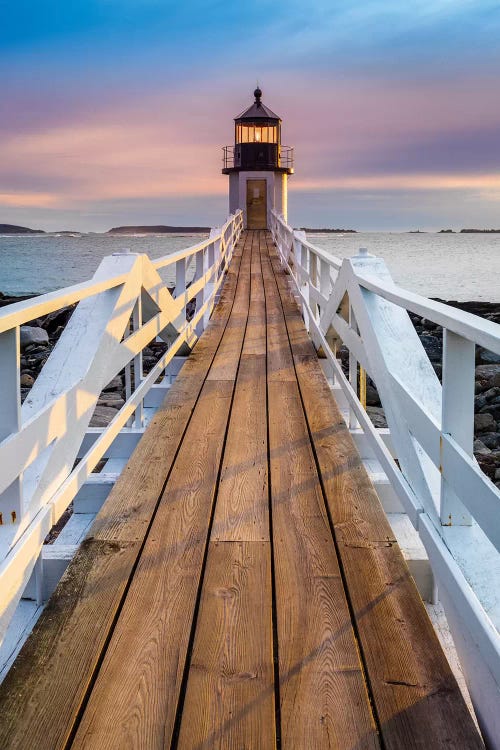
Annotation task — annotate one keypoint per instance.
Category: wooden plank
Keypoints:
(242, 512)
(324, 701)
(323, 697)
(226, 360)
(231, 671)
(230, 693)
(135, 697)
(42, 694)
(279, 357)
(417, 700)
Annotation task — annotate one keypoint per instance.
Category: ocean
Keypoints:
(460, 267)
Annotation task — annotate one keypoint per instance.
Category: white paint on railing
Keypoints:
(119, 312)
(453, 506)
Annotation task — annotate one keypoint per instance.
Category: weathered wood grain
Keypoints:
(231, 671)
(134, 700)
(230, 692)
(241, 512)
(42, 694)
(135, 697)
(417, 699)
(324, 701)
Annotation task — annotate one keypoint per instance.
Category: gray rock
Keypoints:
(26, 380)
(490, 439)
(495, 381)
(487, 357)
(497, 474)
(479, 402)
(480, 386)
(480, 449)
(484, 423)
(433, 347)
(114, 385)
(377, 416)
(102, 416)
(372, 397)
(492, 393)
(487, 372)
(493, 409)
(429, 324)
(33, 335)
(111, 399)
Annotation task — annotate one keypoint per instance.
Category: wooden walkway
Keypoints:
(241, 587)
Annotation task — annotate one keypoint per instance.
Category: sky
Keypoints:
(114, 111)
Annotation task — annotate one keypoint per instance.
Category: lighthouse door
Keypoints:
(256, 204)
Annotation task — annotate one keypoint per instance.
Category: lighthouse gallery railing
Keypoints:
(454, 506)
(120, 311)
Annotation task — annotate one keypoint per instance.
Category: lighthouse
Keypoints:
(258, 165)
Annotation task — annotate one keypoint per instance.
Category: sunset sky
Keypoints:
(114, 111)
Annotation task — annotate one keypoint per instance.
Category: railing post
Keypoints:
(301, 262)
(11, 500)
(136, 324)
(313, 281)
(353, 370)
(209, 269)
(457, 415)
(180, 284)
(200, 297)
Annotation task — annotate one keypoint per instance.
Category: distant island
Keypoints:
(160, 229)
(479, 231)
(417, 231)
(446, 231)
(328, 231)
(14, 229)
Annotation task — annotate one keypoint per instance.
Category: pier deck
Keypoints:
(241, 586)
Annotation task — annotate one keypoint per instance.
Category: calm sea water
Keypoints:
(33, 264)
(460, 267)
(450, 266)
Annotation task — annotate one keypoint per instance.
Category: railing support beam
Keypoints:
(457, 415)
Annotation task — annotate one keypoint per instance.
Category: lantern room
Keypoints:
(258, 165)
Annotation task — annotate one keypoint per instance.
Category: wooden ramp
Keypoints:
(241, 587)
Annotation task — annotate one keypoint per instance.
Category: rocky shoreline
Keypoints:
(39, 338)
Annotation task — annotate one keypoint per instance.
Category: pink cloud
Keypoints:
(169, 145)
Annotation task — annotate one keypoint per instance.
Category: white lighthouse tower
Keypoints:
(258, 165)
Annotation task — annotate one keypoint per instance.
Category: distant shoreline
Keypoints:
(13, 229)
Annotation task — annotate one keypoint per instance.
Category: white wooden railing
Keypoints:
(123, 308)
(454, 506)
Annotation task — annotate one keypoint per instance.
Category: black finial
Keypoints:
(258, 94)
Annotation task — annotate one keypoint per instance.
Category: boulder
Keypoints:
(490, 439)
(33, 335)
(487, 372)
(114, 385)
(433, 347)
(26, 380)
(493, 409)
(484, 423)
(377, 416)
(486, 357)
(480, 401)
(492, 393)
(111, 399)
(102, 416)
(57, 319)
(372, 397)
(480, 449)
